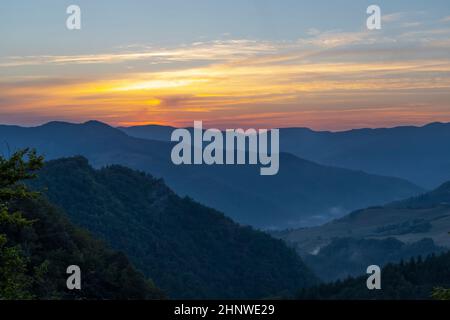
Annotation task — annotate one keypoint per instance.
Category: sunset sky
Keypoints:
(246, 63)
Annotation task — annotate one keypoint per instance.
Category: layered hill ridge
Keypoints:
(303, 193)
(434, 198)
(420, 154)
(190, 251)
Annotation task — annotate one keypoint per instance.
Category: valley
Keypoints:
(377, 223)
(417, 226)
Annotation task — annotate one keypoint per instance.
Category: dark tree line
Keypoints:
(416, 279)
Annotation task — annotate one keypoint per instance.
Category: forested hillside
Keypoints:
(190, 251)
(38, 243)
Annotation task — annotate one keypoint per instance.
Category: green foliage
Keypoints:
(14, 283)
(190, 251)
(441, 294)
(21, 166)
(13, 172)
(38, 243)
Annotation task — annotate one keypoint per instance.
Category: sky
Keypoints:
(234, 63)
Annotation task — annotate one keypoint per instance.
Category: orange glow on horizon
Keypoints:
(271, 90)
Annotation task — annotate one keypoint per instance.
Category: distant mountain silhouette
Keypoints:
(151, 132)
(303, 193)
(189, 250)
(435, 198)
(418, 154)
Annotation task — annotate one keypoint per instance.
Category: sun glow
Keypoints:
(232, 82)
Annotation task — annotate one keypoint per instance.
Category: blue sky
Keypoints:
(39, 25)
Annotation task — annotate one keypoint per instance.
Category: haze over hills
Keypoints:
(424, 216)
(418, 154)
(303, 192)
(412, 227)
(189, 250)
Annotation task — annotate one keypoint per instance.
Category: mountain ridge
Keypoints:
(420, 154)
(306, 192)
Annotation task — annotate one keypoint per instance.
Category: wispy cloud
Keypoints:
(393, 17)
(213, 51)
